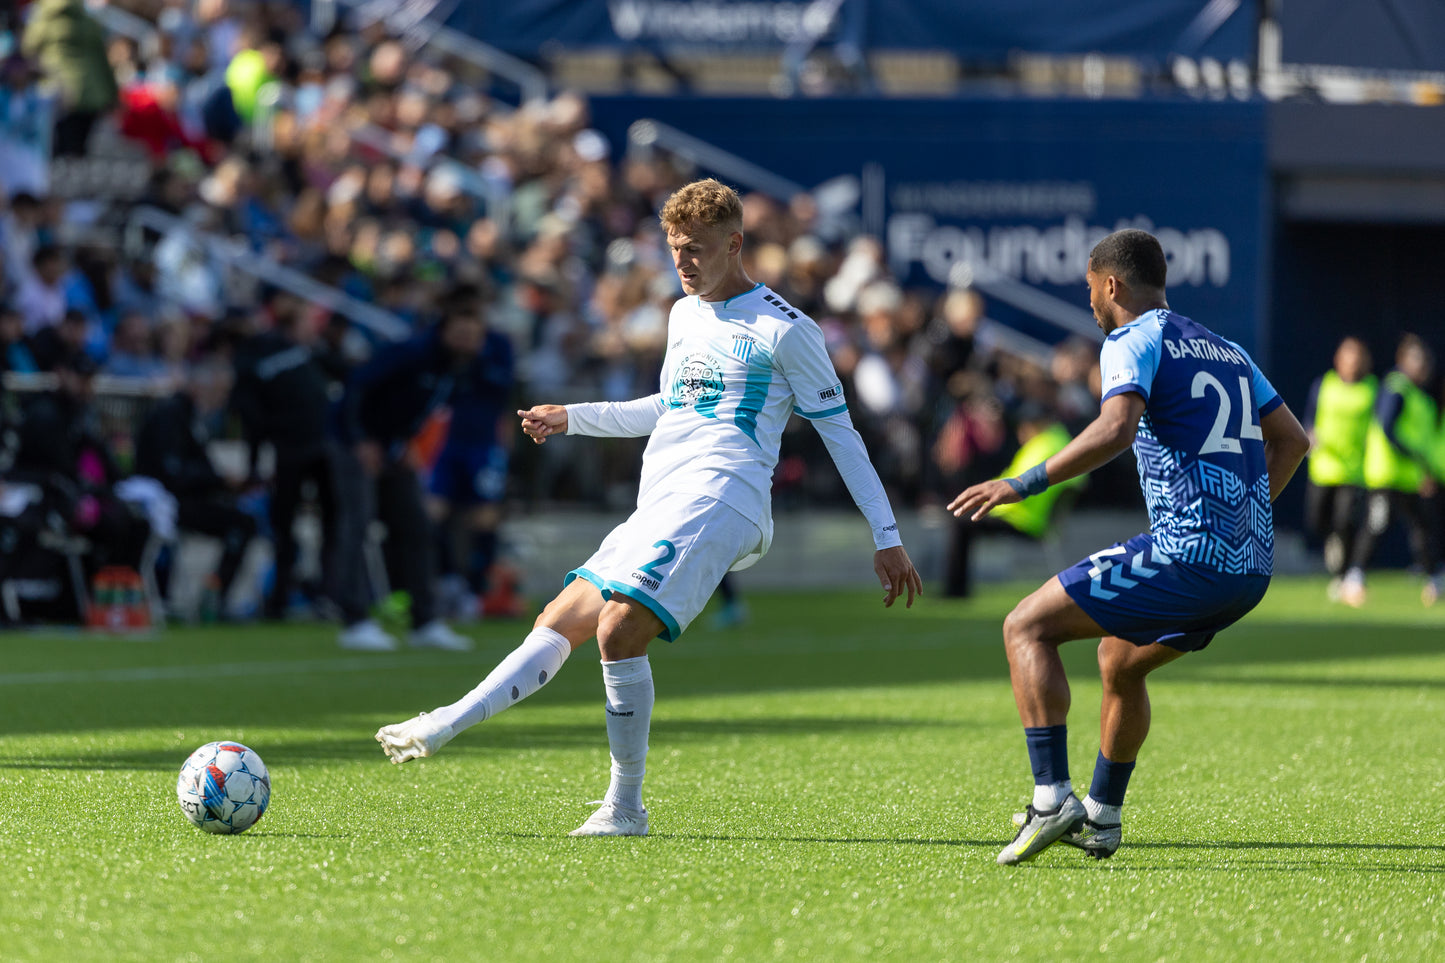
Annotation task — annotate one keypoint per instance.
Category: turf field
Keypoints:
(830, 782)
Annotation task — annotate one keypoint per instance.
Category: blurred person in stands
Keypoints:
(21, 230)
(53, 346)
(283, 394)
(69, 46)
(15, 353)
(469, 479)
(41, 293)
(62, 448)
(1039, 435)
(1337, 417)
(171, 447)
(133, 349)
(386, 403)
(1398, 445)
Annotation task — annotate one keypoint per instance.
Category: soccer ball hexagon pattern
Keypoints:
(224, 787)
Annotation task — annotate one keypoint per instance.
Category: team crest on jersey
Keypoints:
(743, 346)
(698, 383)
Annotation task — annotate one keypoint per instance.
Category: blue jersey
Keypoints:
(1199, 445)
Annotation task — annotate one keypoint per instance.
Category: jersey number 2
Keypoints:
(1217, 439)
(669, 552)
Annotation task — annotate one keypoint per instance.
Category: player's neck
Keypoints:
(737, 282)
(1129, 313)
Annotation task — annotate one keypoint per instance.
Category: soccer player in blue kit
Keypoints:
(1215, 445)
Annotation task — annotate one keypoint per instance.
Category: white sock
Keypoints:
(1048, 797)
(530, 666)
(1100, 813)
(629, 716)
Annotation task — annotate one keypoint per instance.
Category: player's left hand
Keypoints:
(896, 573)
(978, 500)
(541, 421)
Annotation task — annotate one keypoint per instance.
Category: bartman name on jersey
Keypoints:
(1203, 348)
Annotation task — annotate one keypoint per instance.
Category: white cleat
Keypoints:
(614, 820)
(436, 634)
(366, 636)
(416, 738)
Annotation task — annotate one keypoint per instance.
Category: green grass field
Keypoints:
(830, 782)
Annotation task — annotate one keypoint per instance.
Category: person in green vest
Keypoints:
(1337, 417)
(1040, 436)
(1398, 447)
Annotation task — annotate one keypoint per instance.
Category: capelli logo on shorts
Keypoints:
(645, 580)
(831, 394)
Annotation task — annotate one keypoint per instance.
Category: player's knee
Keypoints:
(1018, 631)
(619, 636)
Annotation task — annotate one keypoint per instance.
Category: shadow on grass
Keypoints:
(497, 739)
(796, 642)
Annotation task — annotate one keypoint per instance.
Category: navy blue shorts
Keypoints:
(470, 474)
(1138, 593)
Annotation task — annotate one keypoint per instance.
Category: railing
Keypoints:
(238, 256)
(529, 80)
(646, 133)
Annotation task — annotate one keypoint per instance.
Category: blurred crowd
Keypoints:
(392, 175)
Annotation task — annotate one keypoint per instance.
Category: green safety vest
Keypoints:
(1343, 411)
(1031, 516)
(1387, 466)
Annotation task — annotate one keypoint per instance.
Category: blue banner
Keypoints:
(980, 29)
(1017, 191)
(1399, 35)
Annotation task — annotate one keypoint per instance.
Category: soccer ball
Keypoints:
(224, 787)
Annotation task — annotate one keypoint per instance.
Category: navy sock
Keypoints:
(1048, 753)
(1111, 779)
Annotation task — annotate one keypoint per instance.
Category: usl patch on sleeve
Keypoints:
(1123, 377)
(831, 394)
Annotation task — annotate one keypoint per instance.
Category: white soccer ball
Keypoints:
(224, 787)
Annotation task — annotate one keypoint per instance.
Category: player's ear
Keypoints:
(735, 243)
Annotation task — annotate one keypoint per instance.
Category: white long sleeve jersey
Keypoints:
(734, 372)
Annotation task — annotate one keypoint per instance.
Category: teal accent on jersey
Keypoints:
(670, 629)
(755, 391)
(743, 295)
(828, 413)
(669, 552)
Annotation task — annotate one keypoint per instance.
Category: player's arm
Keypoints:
(1285, 445)
(1098, 444)
(818, 397)
(607, 419)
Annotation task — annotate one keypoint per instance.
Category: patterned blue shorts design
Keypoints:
(1138, 593)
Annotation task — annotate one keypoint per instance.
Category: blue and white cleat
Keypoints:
(1040, 830)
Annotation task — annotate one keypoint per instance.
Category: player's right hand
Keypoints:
(978, 500)
(541, 421)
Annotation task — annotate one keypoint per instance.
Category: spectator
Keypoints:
(69, 45)
(15, 353)
(469, 479)
(282, 396)
(1039, 436)
(54, 346)
(61, 445)
(171, 447)
(41, 297)
(386, 403)
(133, 350)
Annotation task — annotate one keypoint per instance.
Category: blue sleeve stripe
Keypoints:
(1270, 405)
(1120, 389)
(815, 415)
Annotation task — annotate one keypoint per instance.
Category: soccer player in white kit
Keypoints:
(740, 361)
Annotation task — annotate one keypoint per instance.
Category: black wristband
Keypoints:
(1031, 482)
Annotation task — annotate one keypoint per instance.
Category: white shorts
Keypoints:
(671, 555)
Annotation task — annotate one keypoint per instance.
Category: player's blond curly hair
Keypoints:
(708, 202)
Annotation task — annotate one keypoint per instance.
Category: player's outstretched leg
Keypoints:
(623, 632)
(529, 667)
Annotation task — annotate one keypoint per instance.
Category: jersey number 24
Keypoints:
(1218, 439)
